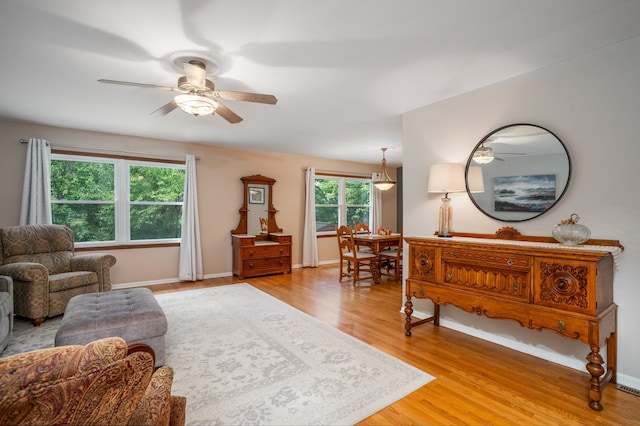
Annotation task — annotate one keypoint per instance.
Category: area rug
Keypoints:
(241, 356)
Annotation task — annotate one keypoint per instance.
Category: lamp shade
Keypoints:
(475, 181)
(446, 177)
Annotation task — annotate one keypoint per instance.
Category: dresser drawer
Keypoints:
(423, 263)
(565, 284)
(568, 326)
(270, 250)
(481, 257)
(271, 264)
(505, 283)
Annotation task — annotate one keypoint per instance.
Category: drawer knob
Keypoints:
(424, 261)
(251, 253)
(449, 276)
(281, 251)
(562, 327)
(516, 286)
(421, 292)
(510, 261)
(455, 254)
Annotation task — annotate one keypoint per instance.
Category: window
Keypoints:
(341, 201)
(111, 200)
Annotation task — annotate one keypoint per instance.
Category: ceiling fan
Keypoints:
(198, 95)
(485, 154)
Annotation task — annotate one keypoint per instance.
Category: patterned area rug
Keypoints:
(241, 356)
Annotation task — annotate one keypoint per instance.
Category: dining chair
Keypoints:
(362, 228)
(391, 260)
(360, 265)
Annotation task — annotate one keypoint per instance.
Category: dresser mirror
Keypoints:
(517, 172)
(257, 214)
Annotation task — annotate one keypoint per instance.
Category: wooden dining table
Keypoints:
(377, 242)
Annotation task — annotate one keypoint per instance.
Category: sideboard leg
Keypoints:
(408, 310)
(595, 368)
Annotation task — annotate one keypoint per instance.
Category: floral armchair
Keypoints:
(104, 382)
(45, 270)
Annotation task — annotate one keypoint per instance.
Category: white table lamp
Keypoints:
(443, 179)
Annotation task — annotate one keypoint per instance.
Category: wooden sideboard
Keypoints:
(253, 257)
(540, 284)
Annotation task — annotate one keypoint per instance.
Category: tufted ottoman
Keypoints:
(133, 315)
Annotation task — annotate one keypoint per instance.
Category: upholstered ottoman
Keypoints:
(133, 315)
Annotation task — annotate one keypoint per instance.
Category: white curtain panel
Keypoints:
(309, 240)
(376, 205)
(36, 190)
(190, 268)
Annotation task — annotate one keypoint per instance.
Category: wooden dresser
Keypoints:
(253, 257)
(540, 284)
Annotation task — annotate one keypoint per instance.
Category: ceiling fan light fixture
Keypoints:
(385, 182)
(483, 155)
(196, 105)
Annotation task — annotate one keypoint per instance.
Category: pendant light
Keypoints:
(385, 182)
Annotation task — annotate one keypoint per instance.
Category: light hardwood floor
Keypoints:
(477, 382)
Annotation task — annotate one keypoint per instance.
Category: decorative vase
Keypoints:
(570, 232)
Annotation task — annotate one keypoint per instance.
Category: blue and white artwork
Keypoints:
(534, 193)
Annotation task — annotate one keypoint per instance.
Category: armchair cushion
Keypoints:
(94, 384)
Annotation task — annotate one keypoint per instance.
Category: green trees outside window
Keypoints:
(341, 201)
(117, 200)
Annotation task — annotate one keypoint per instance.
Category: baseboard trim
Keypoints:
(174, 280)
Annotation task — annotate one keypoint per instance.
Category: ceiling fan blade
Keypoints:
(227, 114)
(245, 96)
(128, 83)
(196, 73)
(165, 109)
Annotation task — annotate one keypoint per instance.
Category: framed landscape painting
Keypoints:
(256, 195)
(533, 193)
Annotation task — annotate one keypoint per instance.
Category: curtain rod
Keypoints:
(116, 151)
(342, 174)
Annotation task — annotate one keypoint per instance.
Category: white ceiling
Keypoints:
(343, 70)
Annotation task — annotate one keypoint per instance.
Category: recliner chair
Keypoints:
(45, 270)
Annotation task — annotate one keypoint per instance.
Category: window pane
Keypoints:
(89, 222)
(357, 215)
(81, 180)
(163, 184)
(326, 219)
(326, 191)
(150, 222)
(357, 192)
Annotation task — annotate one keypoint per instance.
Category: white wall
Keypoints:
(592, 103)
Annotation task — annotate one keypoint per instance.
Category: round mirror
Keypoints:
(517, 172)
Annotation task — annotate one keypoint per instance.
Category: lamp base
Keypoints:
(445, 236)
